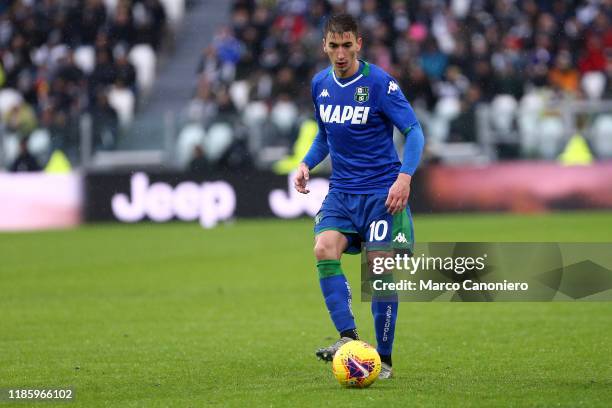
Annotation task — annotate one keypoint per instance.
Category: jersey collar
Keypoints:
(365, 71)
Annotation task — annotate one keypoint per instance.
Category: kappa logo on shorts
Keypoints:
(401, 238)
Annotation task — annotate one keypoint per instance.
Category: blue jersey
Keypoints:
(356, 116)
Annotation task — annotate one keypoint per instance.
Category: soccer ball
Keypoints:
(356, 364)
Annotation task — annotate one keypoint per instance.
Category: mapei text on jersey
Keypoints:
(356, 115)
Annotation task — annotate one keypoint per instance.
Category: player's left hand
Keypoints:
(397, 200)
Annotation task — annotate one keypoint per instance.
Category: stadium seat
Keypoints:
(111, 5)
(10, 148)
(460, 8)
(533, 102)
(437, 129)
(459, 153)
(191, 135)
(528, 130)
(39, 144)
(255, 118)
(9, 98)
(84, 58)
(593, 84)
(175, 10)
(217, 140)
(239, 92)
(503, 110)
(551, 133)
(58, 52)
(283, 115)
(144, 60)
(255, 113)
(601, 136)
(448, 108)
(530, 109)
(438, 125)
(195, 111)
(124, 102)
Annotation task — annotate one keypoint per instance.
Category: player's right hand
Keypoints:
(301, 178)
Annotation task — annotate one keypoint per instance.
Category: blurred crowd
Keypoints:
(61, 58)
(468, 51)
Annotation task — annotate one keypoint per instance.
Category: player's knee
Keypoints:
(325, 250)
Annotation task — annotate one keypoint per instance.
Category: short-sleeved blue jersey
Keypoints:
(356, 116)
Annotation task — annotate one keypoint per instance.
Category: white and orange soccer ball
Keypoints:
(356, 364)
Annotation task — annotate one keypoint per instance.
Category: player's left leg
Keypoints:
(384, 311)
(392, 232)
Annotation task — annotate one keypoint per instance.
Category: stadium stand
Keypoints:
(60, 59)
(489, 79)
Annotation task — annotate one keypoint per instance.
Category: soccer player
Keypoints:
(356, 106)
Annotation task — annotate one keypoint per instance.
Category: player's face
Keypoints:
(342, 51)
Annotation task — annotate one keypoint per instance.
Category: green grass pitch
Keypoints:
(176, 316)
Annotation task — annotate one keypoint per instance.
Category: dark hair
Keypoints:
(341, 23)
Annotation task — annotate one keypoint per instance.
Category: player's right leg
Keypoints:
(329, 246)
(333, 235)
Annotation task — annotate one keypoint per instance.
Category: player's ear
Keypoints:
(324, 45)
(359, 42)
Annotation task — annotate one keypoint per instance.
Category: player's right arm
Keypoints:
(317, 152)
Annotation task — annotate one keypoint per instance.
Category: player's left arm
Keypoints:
(398, 110)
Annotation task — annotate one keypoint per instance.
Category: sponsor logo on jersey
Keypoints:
(362, 94)
(324, 94)
(355, 115)
(392, 87)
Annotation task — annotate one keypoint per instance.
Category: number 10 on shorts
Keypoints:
(378, 230)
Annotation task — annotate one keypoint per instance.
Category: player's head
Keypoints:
(342, 43)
